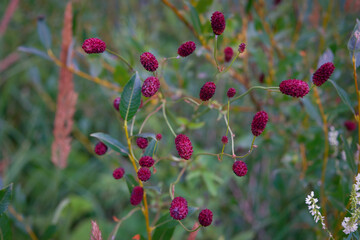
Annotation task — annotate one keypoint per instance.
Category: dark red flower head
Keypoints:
(186, 49)
(142, 142)
(231, 92)
(144, 174)
(262, 78)
(179, 208)
(183, 146)
(294, 88)
(323, 73)
(94, 45)
(240, 168)
(218, 22)
(136, 195)
(146, 161)
(150, 87)
(205, 217)
(148, 60)
(100, 148)
(117, 103)
(242, 47)
(224, 139)
(259, 123)
(207, 91)
(228, 52)
(158, 136)
(350, 125)
(118, 173)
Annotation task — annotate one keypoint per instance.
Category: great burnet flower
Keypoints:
(136, 195)
(183, 146)
(118, 173)
(149, 61)
(224, 139)
(186, 49)
(179, 208)
(294, 88)
(146, 161)
(231, 92)
(100, 148)
(207, 91)
(242, 47)
(240, 168)
(116, 103)
(259, 123)
(218, 22)
(94, 45)
(142, 142)
(323, 73)
(150, 86)
(228, 52)
(144, 174)
(205, 217)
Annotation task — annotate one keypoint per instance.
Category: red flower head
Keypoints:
(231, 92)
(323, 73)
(136, 195)
(350, 125)
(240, 168)
(179, 208)
(242, 47)
(228, 52)
(146, 161)
(117, 103)
(294, 88)
(142, 142)
(218, 22)
(150, 87)
(100, 148)
(259, 123)
(144, 174)
(207, 91)
(186, 49)
(118, 173)
(158, 136)
(224, 139)
(148, 60)
(94, 45)
(183, 146)
(205, 217)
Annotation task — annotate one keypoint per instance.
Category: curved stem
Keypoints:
(172, 185)
(231, 135)
(148, 116)
(251, 149)
(227, 69)
(250, 89)
(215, 51)
(121, 58)
(189, 230)
(114, 232)
(166, 120)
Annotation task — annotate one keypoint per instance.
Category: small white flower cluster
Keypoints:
(314, 209)
(350, 224)
(333, 135)
(357, 35)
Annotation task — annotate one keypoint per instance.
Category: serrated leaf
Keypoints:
(146, 135)
(151, 148)
(194, 18)
(5, 197)
(130, 182)
(349, 155)
(113, 143)
(327, 56)
(130, 98)
(34, 51)
(5, 228)
(343, 95)
(44, 33)
(121, 75)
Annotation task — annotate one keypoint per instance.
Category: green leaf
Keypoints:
(34, 51)
(130, 182)
(166, 227)
(196, 125)
(5, 228)
(49, 232)
(5, 197)
(151, 148)
(343, 95)
(44, 33)
(195, 18)
(203, 5)
(146, 135)
(210, 183)
(111, 142)
(121, 75)
(349, 155)
(130, 98)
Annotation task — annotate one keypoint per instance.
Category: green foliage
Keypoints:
(130, 98)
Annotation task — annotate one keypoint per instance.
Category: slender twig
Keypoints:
(114, 232)
(189, 230)
(250, 89)
(215, 51)
(148, 116)
(21, 219)
(166, 120)
(122, 59)
(231, 135)
(172, 185)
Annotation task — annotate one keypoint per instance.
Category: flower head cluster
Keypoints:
(117, 103)
(294, 87)
(142, 142)
(228, 52)
(118, 173)
(231, 92)
(333, 135)
(100, 148)
(259, 122)
(207, 91)
(224, 139)
(144, 174)
(94, 45)
(149, 61)
(218, 23)
(240, 168)
(350, 224)
(158, 136)
(179, 208)
(183, 146)
(323, 73)
(146, 161)
(350, 125)
(186, 49)
(205, 217)
(136, 195)
(242, 47)
(150, 86)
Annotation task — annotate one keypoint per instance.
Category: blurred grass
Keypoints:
(267, 204)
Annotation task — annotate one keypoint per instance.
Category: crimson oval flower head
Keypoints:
(207, 91)
(100, 148)
(144, 174)
(136, 195)
(183, 146)
(205, 217)
(228, 52)
(224, 139)
(259, 123)
(218, 22)
(117, 103)
(142, 142)
(240, 168)
(158, 136)
(294, 87)
(150, 86)
(146, 161)
(94, 45)
(149, 62)
(186, 49)
(350, 125)
(242, 47)
(323, 73)
(231, 92)
(118, 173)
(179, 208)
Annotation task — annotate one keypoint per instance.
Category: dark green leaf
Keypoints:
(34, 51)
(195, 18)
(44, 33)
(113, 143)
(121, 75)
(343, 95)
(5, 228)
(151, 148)
(349, 155)
(5, 197)
(49, 233)
(146, 135)
(162, 233)
(166, 226)
(130, 98)
(131, 182)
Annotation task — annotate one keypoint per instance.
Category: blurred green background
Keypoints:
(269, 203)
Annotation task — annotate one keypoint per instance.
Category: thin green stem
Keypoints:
(148, 116)
(215, 51)
(172, 185)
(231, 135)
(189, 230)
(227, 129)
(114, 232)
(122, 59)
(251, 149)
(166, 120)
(250, 89)
(227, 69)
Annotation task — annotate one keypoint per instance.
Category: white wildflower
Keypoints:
(333, 135)
(350, 224)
